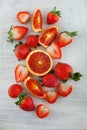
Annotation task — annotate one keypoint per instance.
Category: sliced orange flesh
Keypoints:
(39, 62)
(37, 21)
(34, 87)
(47, 37)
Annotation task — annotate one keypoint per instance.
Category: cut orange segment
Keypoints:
(37, 21)
(48, 35)
(34, 87)
(39, 62)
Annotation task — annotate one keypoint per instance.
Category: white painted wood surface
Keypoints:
(66, 113)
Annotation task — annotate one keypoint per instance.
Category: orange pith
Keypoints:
(48, 35)
(37, 21)
(34, 87)
(39, 62)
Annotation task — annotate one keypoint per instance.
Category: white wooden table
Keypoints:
(66, 113)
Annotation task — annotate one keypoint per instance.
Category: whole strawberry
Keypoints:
(53, 16)
(32, 41)
(25, 103)
(64, 72)
(21, 51)
(14, 90)
(50, 80)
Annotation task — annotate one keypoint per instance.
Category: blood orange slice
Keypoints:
(34, 87)
(48, 35)
(37, 21)
(39, 62)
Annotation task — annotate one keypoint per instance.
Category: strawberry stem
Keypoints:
(72, 34)
(21, 97)
(76, 76)
(54, 11)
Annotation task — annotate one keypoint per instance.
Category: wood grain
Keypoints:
(66, 113)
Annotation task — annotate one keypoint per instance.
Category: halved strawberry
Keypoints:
(54, 51)
(16, 33)
(42, 111)
(21, 73)
(64, 89)
(23, 16)
(65, 38)
(51, 96)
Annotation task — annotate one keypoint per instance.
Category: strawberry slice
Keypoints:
(64, 89)
(21, 73)
(65, 38)
(54, 51)
(42, 111)
(51, 96)
(23, 17)
(16, 33)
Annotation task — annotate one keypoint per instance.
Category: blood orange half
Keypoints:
(39, 62)
(48, 35)
(37, 21)
(34, 87)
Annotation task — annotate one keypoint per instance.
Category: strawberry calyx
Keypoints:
(57, 12)
(72, 34)
(76, 76)
(10, 37)
(21, 97)
(20, 42)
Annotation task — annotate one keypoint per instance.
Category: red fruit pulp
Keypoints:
(34, 88)
(39, 62)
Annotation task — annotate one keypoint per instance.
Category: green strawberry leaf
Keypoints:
(10, 37)
(21, 97)
(20, 42)
(72, 34)
(54, 11)
(76, 76)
